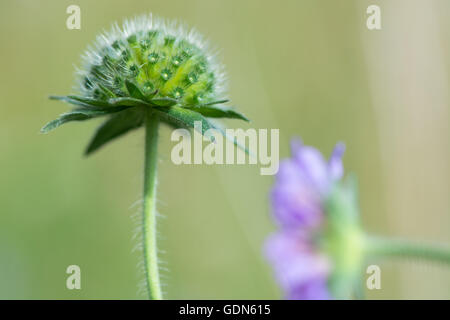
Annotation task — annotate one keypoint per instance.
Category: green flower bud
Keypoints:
(147, 50)
(147, 65)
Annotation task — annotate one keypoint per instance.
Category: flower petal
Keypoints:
(316, 289)
(335, 166)
(296, 264)
(295, 203)
(311, 162)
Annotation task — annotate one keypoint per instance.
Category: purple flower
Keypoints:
(302, 185)
(300, 271)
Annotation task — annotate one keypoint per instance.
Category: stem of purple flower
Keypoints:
(399, 248)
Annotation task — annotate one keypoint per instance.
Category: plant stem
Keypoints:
(385, 247)
(149, 210)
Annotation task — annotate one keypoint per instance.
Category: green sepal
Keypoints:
(134, 91)
(179, 117)
(129, 102)
(186, 118)
(342, 203)
(164, 102)
(79, 114)
(343, 239)
(207, 104)
(63, 119)
(219, 127)
(102, 104)
(214, 111)
(82, 101)
(68, 117)
(135, 102)
(116, 126)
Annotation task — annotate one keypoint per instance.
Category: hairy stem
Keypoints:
(385, 247)
(149, 210)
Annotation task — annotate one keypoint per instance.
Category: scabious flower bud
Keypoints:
(160, 59)
(317, 252)
(148, 65)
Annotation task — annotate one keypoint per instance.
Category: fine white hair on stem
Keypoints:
(137, 248)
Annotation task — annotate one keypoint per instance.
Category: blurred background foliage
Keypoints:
(310, 68)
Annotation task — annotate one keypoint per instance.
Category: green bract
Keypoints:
(147, 64)
(343, 239)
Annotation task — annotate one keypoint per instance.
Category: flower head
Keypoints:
(318, 243)
(302, 185)
(148, 64)
(159, 58)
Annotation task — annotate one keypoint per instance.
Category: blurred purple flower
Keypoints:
(302, 184)
(298, 196)
(300, 271)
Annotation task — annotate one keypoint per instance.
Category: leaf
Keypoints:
(186, 118)
(129, 102)
(133, 90)
(82, 101)
(164, 102)
(214, 102)
(182, 117)
(222, 130)
(79, 114)
(116, 126)
(95, 104)
(207, 104)
(220, 112)
(64, 118)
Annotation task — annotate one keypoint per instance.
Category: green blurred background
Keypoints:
(310, 68)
